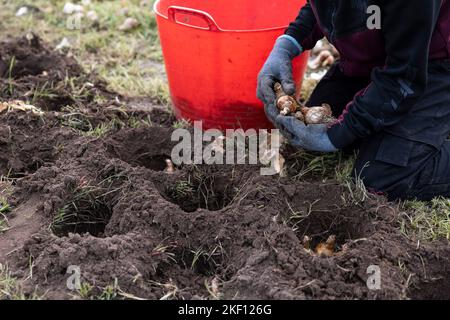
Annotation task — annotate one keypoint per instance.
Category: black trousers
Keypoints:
(399, 166)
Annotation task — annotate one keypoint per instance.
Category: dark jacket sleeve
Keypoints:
(407, 27)
(305, 28)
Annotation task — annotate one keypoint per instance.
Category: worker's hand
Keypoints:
(278, 68)
(311, 137)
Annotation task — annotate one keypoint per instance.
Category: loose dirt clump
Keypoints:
(27, 143)
(32, 71)
(49, 80)
(107, 205)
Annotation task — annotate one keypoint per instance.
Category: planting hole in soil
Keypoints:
(149, 148)
(210, 191)
(338, 225)
(87, 212)
(152, 162)
(200, 261)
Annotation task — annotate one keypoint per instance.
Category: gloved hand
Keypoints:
(311, 137)
(278, 68)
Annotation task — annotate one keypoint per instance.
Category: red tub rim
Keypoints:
(215, 26)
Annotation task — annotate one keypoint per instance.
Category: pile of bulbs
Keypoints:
(289, 106)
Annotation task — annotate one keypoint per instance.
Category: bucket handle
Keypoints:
(173, 10)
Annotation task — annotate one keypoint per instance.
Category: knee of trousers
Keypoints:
(396, 182)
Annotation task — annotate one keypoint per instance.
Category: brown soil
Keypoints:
(173, 235)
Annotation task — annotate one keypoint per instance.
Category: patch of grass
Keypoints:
(182, 124)
(110, 292)
(4, 209)
(6, 190)
(85, 290)
(99, 131)
(182, 190)
(427, 220)
(135, 122)
(357, 192)
(130, 82)
(205, 261)
(10, 287)
(83, 123)
(304, 164)
(86, 211)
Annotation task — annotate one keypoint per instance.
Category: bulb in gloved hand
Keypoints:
(286, 104)
(317, 115)
(299, 116)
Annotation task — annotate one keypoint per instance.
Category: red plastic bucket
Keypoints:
(213, 51)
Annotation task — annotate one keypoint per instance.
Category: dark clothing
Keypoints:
(336, 89)
(396, 58)
(400, 167)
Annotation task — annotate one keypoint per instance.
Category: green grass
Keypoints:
(427, 220)
(86, 210)
(6, 191)
(331, 166)
(100, 130)
(182, 190)
(110, 292)
(11, 288)
(182, 124)
(4, 209)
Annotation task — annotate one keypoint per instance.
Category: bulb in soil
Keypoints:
(326, 249)
(170, 168)
(286, 104)
(307, 244)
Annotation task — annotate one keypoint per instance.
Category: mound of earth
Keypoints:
(32, 71)
(107, 206)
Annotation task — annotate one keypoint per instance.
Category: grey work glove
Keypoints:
(278, 68)
(311, 137)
